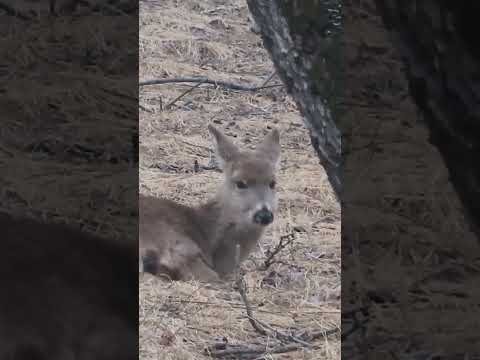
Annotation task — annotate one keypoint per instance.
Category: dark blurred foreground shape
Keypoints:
(389, 91)
(68, 155)
(437, 42)
(65, 294)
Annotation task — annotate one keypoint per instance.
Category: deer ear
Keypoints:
(225, 150)
(270, 147)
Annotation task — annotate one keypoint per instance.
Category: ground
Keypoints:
(302, 291)
(69, 112)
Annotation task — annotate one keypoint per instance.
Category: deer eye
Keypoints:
(241, 184)
(272, 184)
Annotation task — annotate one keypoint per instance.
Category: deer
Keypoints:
(208, 241)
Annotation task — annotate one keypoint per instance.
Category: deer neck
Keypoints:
(223, 233)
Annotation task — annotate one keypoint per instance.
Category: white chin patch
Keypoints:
(261, 206)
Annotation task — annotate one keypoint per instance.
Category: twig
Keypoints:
(240, 284)
(241, 305)
(282, 336)
(209, 168)
(253, 351)
(260, 327)
(255, 324)
(285, 240)
(241, 351)
(300, 340)
(171, 103)
(197, 167)
(144, 108)
(204, 80)
(269, 78)
(314, 335)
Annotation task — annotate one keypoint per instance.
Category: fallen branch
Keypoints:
(197, 167)
(291, 342)
(250, 351)
(317, 334)
(171, 103)
(254, 351)
(204, 80)
(283, 336)
(241, 287)
(144, 108)
(261, 327)
(269, 78)
(285, 240)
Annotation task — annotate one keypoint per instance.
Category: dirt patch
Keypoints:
(302, 290)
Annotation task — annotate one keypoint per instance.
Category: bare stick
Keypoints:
(204, 80)
(240, 283)
(282, 336)
(242, 351)
(253, 351)
(171, 103)
(144, 108)
(285, 240)
(255, 324)
(314, 335)
(269, 78)
(300, 340)
(259, 326)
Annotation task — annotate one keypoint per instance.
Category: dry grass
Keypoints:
(302, 290)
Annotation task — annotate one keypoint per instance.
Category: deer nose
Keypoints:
(263, 216)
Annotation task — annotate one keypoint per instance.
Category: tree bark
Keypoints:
(400, 210)
(437, 40)
(304, 40)
(297, 34)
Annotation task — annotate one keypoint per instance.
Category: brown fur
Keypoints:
(201, 242)
(66, 295)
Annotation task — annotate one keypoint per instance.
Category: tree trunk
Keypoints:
(438, 43)
(304, 40)
(401, 217)
(297, 35)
